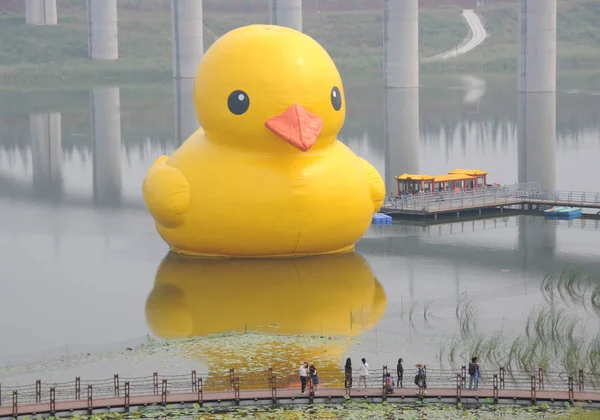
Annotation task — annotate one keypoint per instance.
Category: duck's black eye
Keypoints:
(336, 98)
(238, 102)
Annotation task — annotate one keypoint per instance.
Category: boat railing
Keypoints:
(450, 199)
(496, 194)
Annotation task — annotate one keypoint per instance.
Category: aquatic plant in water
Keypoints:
(553, 338)
(351, 410)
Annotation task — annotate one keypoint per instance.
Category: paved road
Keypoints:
(478, 35)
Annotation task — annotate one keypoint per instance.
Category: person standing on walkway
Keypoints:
(303, 376)
(400, 372)
(363, 373)
(314, 377)
(421, 378)
(474, 373)
(348, 374)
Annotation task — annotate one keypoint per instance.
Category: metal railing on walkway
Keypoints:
(236, 382)
(519, 193)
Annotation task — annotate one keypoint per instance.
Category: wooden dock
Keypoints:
(293, 396)
(118, 395)
(485, 200)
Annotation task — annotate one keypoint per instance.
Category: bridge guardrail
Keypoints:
(235, 381)
(503, 194)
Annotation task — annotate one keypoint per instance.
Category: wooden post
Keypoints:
(541, 378)
(270, 376)
(458, 387)
(571, 390)
(15, 404)
(581, 382)
(502, 378)
(463, 374)
(90, 399)
(200, 392)
(116, 385)
(77, 388)
(236, 390)
(533, 395)
(194, 381)
(155, 382)
(127, 396)
(163, 398)
(274, 388)
(231, 379)
(38, 391)
(495, 383)
(383, 387)
(52, 401)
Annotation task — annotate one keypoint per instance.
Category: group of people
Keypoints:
(309, 375)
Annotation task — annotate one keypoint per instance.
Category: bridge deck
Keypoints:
(119, 404)
(486, 199)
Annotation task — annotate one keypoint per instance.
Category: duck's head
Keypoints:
(270, 89)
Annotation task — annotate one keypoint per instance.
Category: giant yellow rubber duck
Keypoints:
(304, 309)
(265, 176)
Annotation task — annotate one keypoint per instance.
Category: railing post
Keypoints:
(383, 387)
(194, 381)
(126, 396)
(463, 375)
(274, 388)
(236, 390)
(116, 385)
(231, 379)
(200, 390)
(38, 390)
(270, 377)
(77, 388)
(541, 378)
(571, 389)
(15, 404)
(502, 384)
(52, 401)
(155, 382)
(581, 381)
(533, 396)
(0, 395)
(458, 387)
(163, 397)
(90, 399)
(495, 384)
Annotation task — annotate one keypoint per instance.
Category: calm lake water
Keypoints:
(80, 254)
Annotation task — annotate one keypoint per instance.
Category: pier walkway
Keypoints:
(267, 388)
(515, 196)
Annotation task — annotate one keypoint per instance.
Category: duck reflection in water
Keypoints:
(251, 314)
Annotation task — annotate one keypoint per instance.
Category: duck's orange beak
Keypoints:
(297, 126)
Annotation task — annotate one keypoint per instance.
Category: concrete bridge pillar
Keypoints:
(106, 139)
(537, 156)
(103, 42)
(188, 48)
(401, 43)
(402, 135)
(186, 121)
(41, 12)
(286, 13)
(46, 152)
(537, 46)
(188, 38)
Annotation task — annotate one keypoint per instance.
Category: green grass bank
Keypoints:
(350, 30)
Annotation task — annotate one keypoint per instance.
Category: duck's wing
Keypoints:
(166, 193)
(376, 184)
